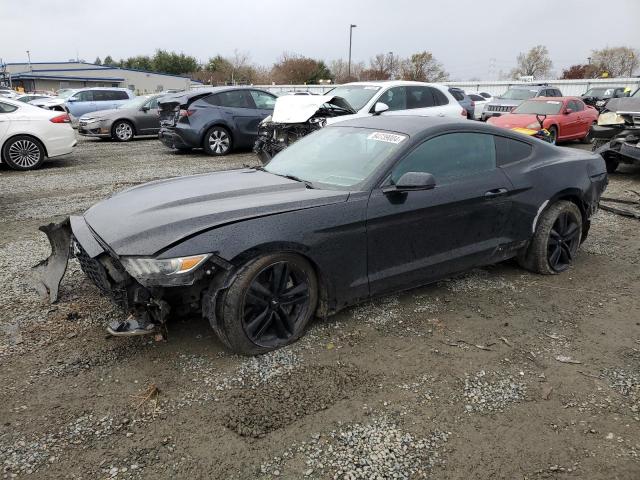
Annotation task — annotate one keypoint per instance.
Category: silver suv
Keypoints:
(514, 96)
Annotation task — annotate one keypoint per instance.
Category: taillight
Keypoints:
(64, 118)
(463, 112)
(186, 113)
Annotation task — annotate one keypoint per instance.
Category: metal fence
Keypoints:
(567, 87)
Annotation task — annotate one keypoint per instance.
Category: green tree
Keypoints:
(423, 67)
(175, 63)
(139, 62)
(108, 61)
(97, 61)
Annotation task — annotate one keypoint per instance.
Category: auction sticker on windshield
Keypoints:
(386, 137)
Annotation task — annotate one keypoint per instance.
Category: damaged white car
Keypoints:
(295, 116)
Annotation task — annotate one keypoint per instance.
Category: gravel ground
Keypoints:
(496, 373)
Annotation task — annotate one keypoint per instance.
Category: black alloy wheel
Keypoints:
(276, 305)
(563, 243)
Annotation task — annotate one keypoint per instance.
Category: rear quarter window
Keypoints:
(6, 108)
(509, 150)
(439, 98)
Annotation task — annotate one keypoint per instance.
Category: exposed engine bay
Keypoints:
(294, 117)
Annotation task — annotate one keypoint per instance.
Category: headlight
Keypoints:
(610, 118)
(149, 268)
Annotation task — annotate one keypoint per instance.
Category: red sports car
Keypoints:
(566, 118)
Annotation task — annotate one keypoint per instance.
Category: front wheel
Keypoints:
(556, 240)
(553, 135)
(122, 131)
(217, 141)
(23, 153)
(269, 304)
(588, 138)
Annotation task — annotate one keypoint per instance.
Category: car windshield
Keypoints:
(636, 94)
(519, 94)
(356, 95)
(550, 107)
(336, 157)
(66, 93)
(136, 102)
(599, 92)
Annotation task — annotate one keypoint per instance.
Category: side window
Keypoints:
(212, 99)
(543, 93)
(101, 96)
(573, 105)
(509, 150)
(450, 156)
(395, 98)
(86, 96)
(477, 98)
(419, 97)
(119, 95)
(6, 108)
(236, 99)
(579, 105)
(263, 100)
(439, 97)
(153, 103)
(457, 94)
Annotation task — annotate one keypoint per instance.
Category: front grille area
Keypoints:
(500, 108)
(97, 273)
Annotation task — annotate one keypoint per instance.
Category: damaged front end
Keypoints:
(294, 117)
(616, 137)
(142, 287)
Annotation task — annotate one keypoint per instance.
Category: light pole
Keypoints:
(351, 27)
(29, 57)
(391, 66)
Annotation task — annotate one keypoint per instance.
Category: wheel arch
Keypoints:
(574, 196)
(44, 145)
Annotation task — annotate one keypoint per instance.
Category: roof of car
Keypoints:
(386, 83)
(407, 124)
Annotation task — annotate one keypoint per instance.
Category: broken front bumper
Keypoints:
(620, 142)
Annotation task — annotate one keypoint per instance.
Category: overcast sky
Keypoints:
(471, 38)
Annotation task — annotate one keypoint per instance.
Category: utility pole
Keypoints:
(351, 27)
(29, 57)
(390, 65)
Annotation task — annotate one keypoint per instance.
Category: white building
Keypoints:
(56, 75)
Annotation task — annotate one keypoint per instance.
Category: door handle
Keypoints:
(496, 192)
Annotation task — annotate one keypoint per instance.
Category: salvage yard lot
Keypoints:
(474, 377)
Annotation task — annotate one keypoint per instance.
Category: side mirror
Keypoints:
(568, 111)
(379, 108)
(72, 99)
(144, 108)
(412, 181)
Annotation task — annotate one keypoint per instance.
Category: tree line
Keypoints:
(292, 68)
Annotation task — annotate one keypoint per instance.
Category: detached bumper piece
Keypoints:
(621, 144)
(145, 309)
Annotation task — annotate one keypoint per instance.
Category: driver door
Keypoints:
(420, 236)
(147, 118)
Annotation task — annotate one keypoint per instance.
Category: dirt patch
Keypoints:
(307, 390)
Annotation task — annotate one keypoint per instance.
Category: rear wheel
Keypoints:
(556, 240)
(122, 131)
(269, 304)
(23, 153)
(217, 141)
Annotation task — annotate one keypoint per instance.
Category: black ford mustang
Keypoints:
(354, 210)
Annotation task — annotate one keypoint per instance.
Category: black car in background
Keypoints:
(599, 96)
(217, 119)
(353, 210)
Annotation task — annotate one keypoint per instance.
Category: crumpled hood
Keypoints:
(625, 104)
(145, 219)
(300, 108)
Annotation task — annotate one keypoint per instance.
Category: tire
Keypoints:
(553, 131)
(122, 131)
(612, 164)
(556, 240)
(23, 153)
(255, 316)
(588, 138)
(217, 141)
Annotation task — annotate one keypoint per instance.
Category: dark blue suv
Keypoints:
(217, 119)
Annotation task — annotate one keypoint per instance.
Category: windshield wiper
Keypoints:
(307, 183)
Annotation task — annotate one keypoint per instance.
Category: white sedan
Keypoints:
(30, 134)
(480, 101)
